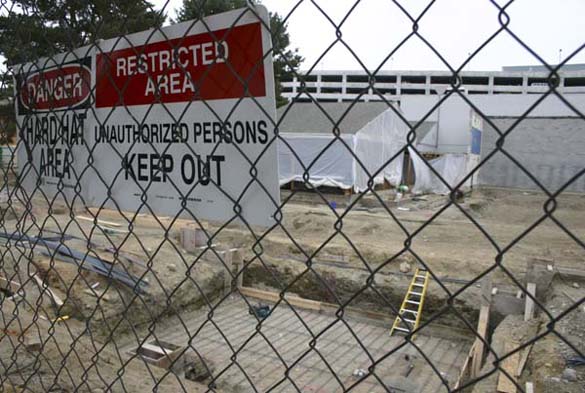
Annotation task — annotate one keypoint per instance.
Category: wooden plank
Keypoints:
(313, 304)
(304, 303)
(482, 330)
(56, 299)
(9, 285)
(571, 273)
(102, 222)
(529, 308)
(523, 360)
(486, 290)
(274, 297)
(155, 348)
(238, 266)
(463, 375)
(227, 282)
(192, 238)
(259, 294)
(510, 365)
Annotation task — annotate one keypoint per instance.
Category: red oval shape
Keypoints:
(57, 88)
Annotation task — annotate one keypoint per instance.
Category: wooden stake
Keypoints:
(482, 326)
(192, 238)
(482, 329)
(237, 267)
(529, 309)
(227, 282)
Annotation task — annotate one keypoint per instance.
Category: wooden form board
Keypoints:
(313, 305)
(479, 346)
(9, 285)
(529, 309)
(571, 273)
(466, 369)
(237, 266)
(274, 297)
(228, 268)
(510, 365)
(523, 359)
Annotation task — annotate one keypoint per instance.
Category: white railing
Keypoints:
(349, 90)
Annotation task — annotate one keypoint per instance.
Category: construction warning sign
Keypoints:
(176, 121)
(208, 66)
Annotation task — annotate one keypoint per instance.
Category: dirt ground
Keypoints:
(344, 249)
(39, 354)
(451, 244)
(548, 357)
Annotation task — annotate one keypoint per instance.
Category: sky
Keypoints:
(455, 28)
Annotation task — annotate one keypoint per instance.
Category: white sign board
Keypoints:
(175, 122)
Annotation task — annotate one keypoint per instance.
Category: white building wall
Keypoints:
(550, 149)
(452, 133)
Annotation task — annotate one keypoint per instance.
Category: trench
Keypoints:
(346, 286)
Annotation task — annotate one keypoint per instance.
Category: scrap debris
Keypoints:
(108, 227)
(60, 319)
(576, 361)
(81, 260)
(261, 311)
(98, 247)
(54, 297)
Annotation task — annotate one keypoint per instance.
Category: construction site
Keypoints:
(210, 306)
(292, 196)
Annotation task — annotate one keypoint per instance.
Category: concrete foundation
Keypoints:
(319, 351)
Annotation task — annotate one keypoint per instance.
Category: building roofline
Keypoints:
(440, 72)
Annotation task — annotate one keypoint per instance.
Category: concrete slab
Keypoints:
(321, 352)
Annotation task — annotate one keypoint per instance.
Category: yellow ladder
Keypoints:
(412, 305)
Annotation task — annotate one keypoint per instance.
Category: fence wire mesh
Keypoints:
(105, 293)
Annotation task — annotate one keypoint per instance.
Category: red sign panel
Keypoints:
(59, 88)
(226, 64)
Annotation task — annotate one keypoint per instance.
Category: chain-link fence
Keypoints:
(165, 229)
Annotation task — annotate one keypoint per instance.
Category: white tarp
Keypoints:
(333, 168)
(379, 141)
(374, 145)
(451, 167)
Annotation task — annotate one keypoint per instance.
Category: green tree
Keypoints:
(45, 27)
(7, 116)
(286, 61)
(37, 28)
(41, 28)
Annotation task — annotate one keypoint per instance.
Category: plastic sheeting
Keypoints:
(333, 168)
(374, 145)
(451, 167)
